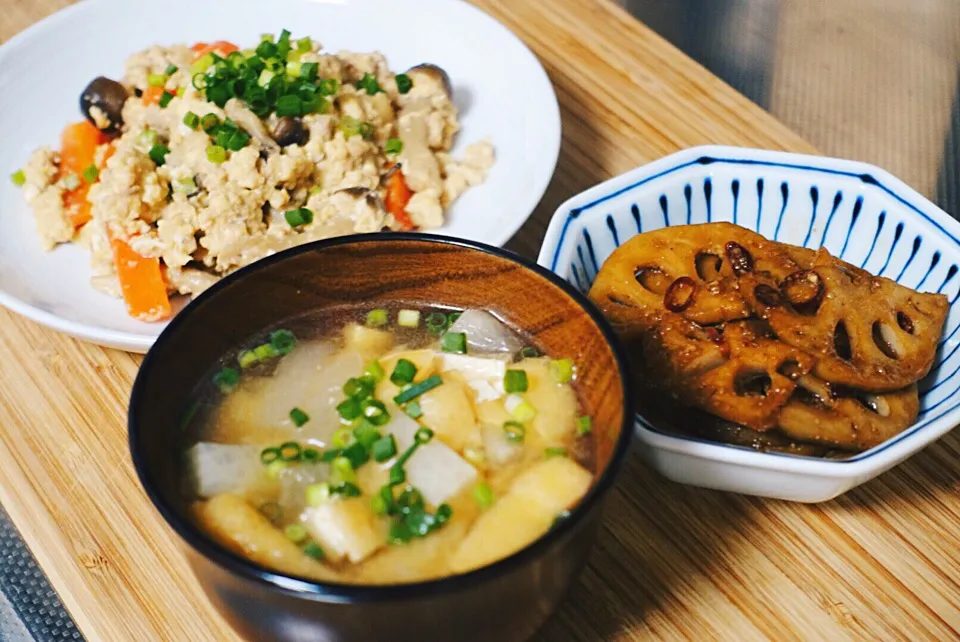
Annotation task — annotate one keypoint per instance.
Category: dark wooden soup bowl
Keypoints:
(507, 600)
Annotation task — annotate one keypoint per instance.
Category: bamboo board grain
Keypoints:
(672, 563)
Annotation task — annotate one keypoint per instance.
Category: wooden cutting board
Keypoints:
(673, 562)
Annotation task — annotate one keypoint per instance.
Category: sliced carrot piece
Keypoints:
(221, 47)
(141, 282)
(78, 207)
(151, 95)
(78, 145)
(398, 195)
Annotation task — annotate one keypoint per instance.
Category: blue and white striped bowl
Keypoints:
(859, 212)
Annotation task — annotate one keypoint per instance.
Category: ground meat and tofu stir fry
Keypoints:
(204, 159)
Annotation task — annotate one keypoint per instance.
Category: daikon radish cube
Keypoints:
(223, 468)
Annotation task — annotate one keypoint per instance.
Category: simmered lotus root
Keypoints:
(737, 374)
(691, 270)
(847, 418)
(865, 332)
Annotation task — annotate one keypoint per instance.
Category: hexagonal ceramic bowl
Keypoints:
(859, 212)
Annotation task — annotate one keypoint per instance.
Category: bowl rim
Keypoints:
(359, 593)
(569, 217)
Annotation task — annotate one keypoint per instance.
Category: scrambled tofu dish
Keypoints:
(203, 159)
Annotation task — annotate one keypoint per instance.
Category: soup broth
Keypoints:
(408, 444)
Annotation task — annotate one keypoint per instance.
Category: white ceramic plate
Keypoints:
(857, 211)
(500, 88)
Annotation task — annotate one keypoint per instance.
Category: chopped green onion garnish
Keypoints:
(147, 138)
(436, 323)
(299, 417)
(529, 352)
(455, 342)
(562, 370)
(271, 510)
(329, 455)
(304, 44)
(359, 387)
(375, 370)
(308, 70)
(483, 494)
(210, 122)
(514, 431)
(555, 452)
(384, 448)
(165, 99)
(298, 217)
(70, 182)
(418, 389)
(342, 471)
(423, 435)
(90, 174)
(156, 80)
(201, 64)
(343, 437)
(584, 425)
(227, 380)
(349, 408)
(274, 468)
(310, 455)
(237, 141)
(403, 372)
(366, 131)
(296, 533)
(453, 318)
(375, 412)
(378, 504)
(393, 146)
(158, 154)
(520, 409)
(350, 126)
(171, 69)
(408, 318)
(184, 186)
(357, 455)
(216, 154)
(181, 91)
(191, 120)
(317, 494)
(404, 83)
(515, 381)
(247, 358)
(369, 84)
(269, 455)
(329, 86)
(366, 434)
(265, 351)
(283, 341)
(397, 476)
(19, 178)
(347, 489)
(290, 451)
(413, 410)
(289, 106)
(377, 318)
(293, 69)
(313, 550)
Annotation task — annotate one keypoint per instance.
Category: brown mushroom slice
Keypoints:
(250, 123)
(737, 376)
(102, 103)
(866, 332)
(427, 78)
(856, 422)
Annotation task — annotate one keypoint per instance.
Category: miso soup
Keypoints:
(406, 444)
